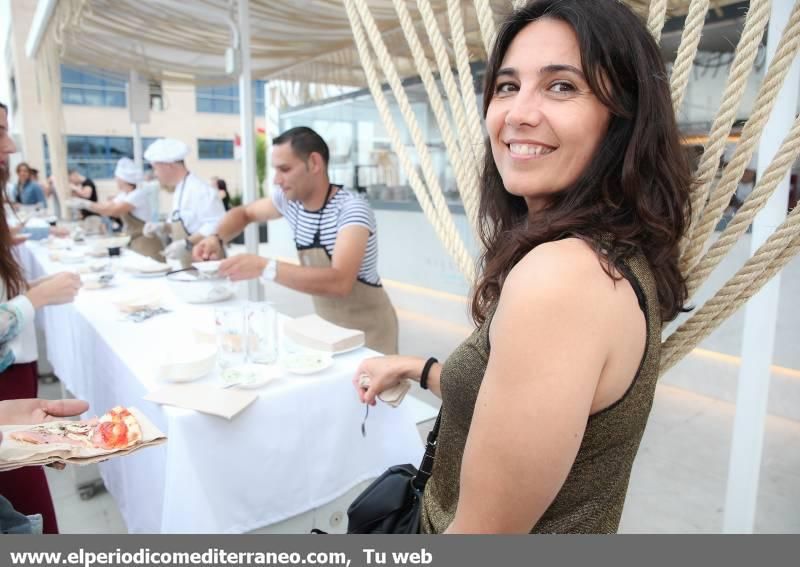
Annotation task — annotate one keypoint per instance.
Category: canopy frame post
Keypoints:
(761, 311)
(254, 288)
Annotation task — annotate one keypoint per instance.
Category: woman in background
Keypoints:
(27, 191)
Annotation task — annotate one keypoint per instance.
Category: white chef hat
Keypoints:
(166, 150)
(128, 171)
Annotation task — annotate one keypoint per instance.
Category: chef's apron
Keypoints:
(366, 308)
(177, 230)
(146, 246)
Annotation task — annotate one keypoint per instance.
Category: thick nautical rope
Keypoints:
(467, 81)
(780, 166)
(768, 260)
(765, 100)
(656, 17)
(446, 75)
(785, 54)
(687, 51)
(483, 11)
(431, 202)
(746, 51)
(466, 175)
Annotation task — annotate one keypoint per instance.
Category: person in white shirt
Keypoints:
(196, 208)
(134, 205)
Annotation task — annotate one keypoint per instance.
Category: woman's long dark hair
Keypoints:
(10, 270)
(634, 194)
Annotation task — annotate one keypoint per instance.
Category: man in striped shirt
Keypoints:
(335, 235)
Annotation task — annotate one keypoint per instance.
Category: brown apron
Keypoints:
(146, 246)
(367, 308)
(177, 230)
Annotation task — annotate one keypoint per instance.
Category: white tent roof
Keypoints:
(305, 40)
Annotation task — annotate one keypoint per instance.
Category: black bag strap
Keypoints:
(426, 466)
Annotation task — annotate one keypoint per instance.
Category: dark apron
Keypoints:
(367, 307)
(177, 230)
(146, 246)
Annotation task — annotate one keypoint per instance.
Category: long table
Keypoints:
(297, 447)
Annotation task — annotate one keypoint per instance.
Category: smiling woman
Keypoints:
(584, 198)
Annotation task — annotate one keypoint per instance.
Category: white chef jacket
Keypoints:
(142, 199)
(197, 204)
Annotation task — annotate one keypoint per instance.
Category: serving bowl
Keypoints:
(187, 363)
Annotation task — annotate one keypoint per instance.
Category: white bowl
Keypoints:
(184, 364)
(209, 267)
(187, 286)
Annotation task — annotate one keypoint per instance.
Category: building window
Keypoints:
(225, 100)
(93, 156)
(215, 149)
(221, 100)
(91, 89)
(258, 97)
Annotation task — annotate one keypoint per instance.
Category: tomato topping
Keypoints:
(112, 435)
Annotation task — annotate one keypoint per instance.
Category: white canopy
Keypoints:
(299, 40)
(303, 40)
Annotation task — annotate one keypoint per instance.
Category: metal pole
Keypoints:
(138, 152)
(137, 112)
(761, 312)
(248, 139)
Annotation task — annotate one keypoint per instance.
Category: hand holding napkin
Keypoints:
(393, 396)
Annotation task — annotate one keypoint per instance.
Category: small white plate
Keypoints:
(250, 376)
(306, 362)
(149, 274)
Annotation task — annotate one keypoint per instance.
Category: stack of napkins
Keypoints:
(314, 332)
(204, 398)
(15, 454)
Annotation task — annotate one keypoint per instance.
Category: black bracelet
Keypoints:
(221, 242)
(423, 378)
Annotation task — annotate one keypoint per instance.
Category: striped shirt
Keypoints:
(343, 209)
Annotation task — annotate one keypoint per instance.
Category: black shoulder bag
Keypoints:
(392, 504)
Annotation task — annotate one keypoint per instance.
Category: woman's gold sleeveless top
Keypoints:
(591, 499)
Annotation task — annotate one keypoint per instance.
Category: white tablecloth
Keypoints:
(297, 447)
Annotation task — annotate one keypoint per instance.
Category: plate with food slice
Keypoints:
(119, 431)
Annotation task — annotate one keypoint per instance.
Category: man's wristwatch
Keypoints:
(270, 272)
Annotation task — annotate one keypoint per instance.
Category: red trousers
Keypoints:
(26, 488)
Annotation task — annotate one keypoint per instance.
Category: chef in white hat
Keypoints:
(196, 208)
(134, 205)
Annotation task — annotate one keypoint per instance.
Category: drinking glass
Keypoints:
(231, 332)
(262, 333)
